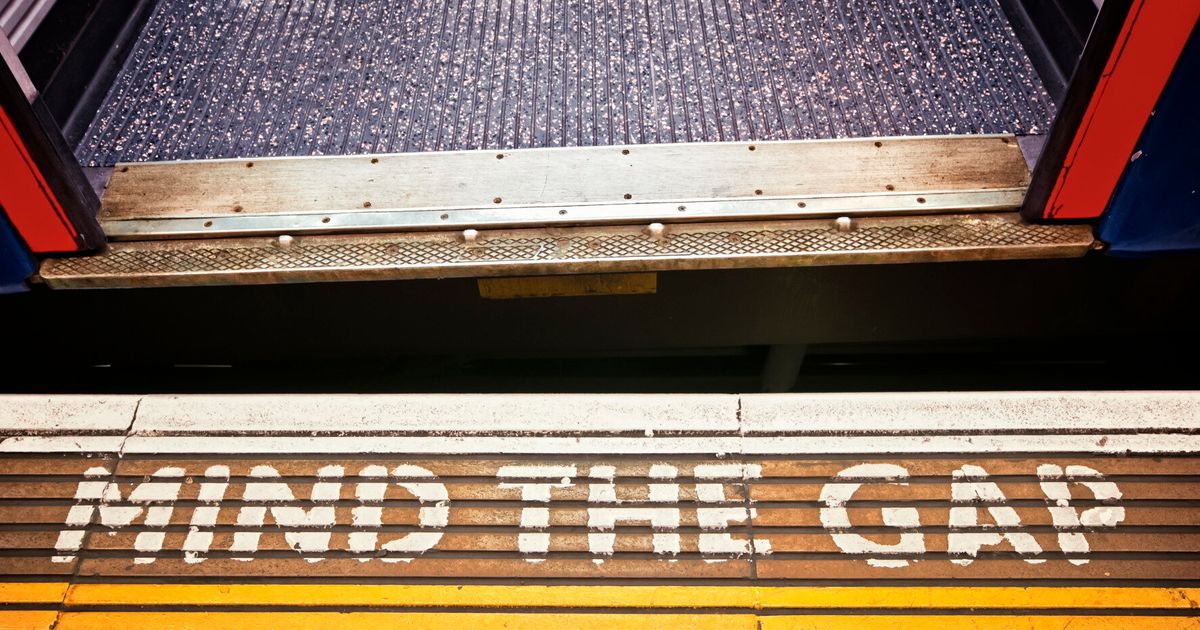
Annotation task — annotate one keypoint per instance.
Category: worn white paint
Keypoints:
(347, 414)
(1096, 413)
(204, 517)
(71, 443)
(731, 446)
(836, 518)
(970, 486)
(434, 513)
(287, 515)
(26, 414)
(535, 517)
(884, 413)
(1005, 518)
(370, 514)
(87, 495)
(158, 498)
(558, 426)
(719, 518)
(1056, 485)
(601, 520)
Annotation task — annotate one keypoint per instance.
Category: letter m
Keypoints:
(155, 499)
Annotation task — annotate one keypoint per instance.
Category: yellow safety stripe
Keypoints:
(27, 619)
(671, 597)
(981, 622)
(407, 621)
(511, 621)
(32, 592)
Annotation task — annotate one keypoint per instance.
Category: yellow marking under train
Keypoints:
(669, 597)
(511, 621)
(568, 286)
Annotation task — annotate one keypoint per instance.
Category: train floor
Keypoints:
(232, 78)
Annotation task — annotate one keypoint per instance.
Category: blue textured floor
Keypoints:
(229, 78)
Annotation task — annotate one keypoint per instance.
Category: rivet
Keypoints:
(752, 147)
(471, 238)
(249, 164)
(496, 200)
(890, 187)
(325, 220)
(682, 208)
(920, 200)
(445, 216)
(758, 191)
(844, 224)
(208, 224)
(374, 160)
(284, 241)
(237, 208)
(624, 151)
(562, 212)
(801, 204)
(878, 143)
(499, 156)
(657, 231)
(366, 204)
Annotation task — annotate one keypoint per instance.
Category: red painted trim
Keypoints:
(27, 199)
(1153, 37)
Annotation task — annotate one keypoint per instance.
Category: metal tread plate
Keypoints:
(572, 186)
(654, 247)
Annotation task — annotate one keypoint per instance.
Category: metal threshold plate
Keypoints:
(575, 250)
(571, 186)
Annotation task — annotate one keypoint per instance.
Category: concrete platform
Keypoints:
(883, 510)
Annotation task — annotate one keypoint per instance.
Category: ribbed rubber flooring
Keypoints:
(235, 78)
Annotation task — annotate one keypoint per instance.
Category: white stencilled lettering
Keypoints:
(835, 516)
(1055, 485)
(664, 520)
(535, 518)
(719, 518)
(1006, 519)
(157, 497)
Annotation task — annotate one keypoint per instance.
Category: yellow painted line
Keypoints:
(568, 286)
(408, 621)
(670, 597)
(982, 622)
(32, 592)
(27, 619)
(993, 597)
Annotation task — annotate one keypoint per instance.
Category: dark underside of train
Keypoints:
(152, 80)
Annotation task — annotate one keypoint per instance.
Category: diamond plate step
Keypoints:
(653, 247)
